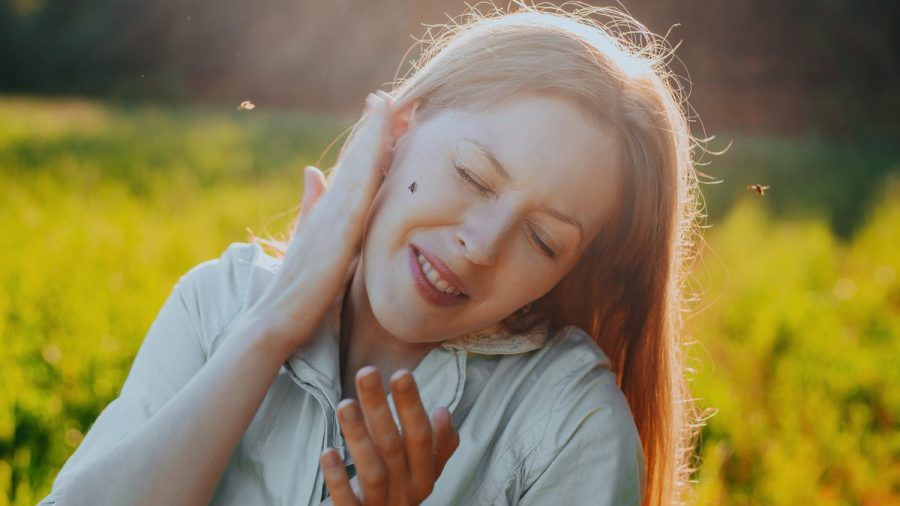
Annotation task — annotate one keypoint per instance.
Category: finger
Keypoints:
(446, 439)
(337, 480)
(354, 484)
(351, 269)
(382, 428)
(390, 138)
(366, 145)
(387, 159)
(373, 100)
(376, 131)
(313, 187)
(372, 474)
(417, 434)
(385, 95)
(376, 113)
(378, 99)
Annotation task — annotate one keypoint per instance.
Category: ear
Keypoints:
(404, 118)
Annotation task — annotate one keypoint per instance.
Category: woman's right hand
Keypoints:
(324, 250)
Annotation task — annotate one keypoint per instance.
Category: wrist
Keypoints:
(266, 340)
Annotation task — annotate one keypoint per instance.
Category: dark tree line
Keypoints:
(782, 65)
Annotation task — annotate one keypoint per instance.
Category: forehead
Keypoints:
(551, 151)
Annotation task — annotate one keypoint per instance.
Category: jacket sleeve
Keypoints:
(593, 457)
(175, 347)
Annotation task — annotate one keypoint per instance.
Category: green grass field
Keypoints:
(797, 329)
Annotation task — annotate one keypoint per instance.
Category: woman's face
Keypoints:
(506, 198)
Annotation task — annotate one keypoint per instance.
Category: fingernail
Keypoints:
(349, 413)
(307, 176)
(404, 382)
(330, 458)
(370, 380)
(368, 376)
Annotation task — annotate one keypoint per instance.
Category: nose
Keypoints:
(482, 235)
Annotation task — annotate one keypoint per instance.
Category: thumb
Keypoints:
(314, 186)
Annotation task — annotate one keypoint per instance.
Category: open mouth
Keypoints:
(429, 283)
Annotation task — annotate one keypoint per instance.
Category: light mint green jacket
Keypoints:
(540, 418)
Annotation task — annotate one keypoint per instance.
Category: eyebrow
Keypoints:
(506, 177)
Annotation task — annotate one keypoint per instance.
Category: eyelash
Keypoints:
(484, 190)
(550, 252)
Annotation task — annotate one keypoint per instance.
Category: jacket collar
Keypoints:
(440, 376)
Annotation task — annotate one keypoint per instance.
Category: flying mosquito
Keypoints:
(758, 188)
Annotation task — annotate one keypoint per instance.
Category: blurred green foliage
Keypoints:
(810, 177)
(101, 210)
(798, 342)
(103, 207)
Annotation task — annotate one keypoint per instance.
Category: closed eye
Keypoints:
(550, 252)
(484, 190)
(466, 175)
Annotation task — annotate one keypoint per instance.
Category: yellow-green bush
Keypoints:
(798, 349)
(102, 208)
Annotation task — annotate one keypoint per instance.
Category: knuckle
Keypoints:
(335, 477)
(375, 477)
(426, 490)
(392, 446)
(421, 490)
(446, 450)
(420, 435)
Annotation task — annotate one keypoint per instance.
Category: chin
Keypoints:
(386, 308)
(406, 326)
(400, 311)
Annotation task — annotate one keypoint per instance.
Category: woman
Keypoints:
(510, 224)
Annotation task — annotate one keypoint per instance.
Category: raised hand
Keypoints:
(328, 235)
(393, 468)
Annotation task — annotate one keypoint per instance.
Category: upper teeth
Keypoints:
(435, 278)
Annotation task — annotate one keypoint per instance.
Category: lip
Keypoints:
(442, 268)
(425, 288)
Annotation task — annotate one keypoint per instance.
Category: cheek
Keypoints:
(421, 197)
(522, 279)
(524, 274)
(394, 215)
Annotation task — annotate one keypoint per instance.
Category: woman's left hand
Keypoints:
(392, 468)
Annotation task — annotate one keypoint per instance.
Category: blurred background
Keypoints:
(125, 161)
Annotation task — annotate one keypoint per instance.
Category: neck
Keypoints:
(364, 341)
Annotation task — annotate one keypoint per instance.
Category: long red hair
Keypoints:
(626, 291)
